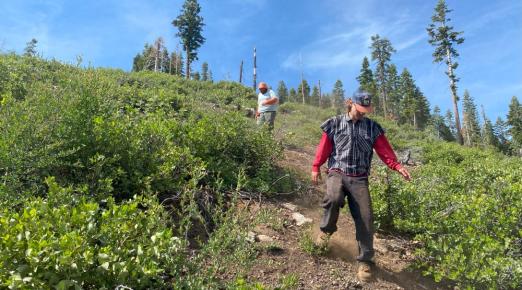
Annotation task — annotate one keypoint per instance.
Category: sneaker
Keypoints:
(322, 239)
(364, 272)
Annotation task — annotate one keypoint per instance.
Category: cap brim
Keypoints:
(364, 109)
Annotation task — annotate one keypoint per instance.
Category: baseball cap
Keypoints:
(363, 101)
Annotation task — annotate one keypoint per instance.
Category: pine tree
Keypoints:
(488, 135)
(304, 88)
(367, 82)
(159, 44)
(501, 131)
(292, 95)
(365, 78)
(394, 96)
(196, 76)
(338, 95)
(146, 60)
(407, 91)
(30, 48)
(422, 110)
(204, 72)
(444, 39)
(138, 62)
(449, 120)
(381, 52)
(176, 64)
(514, 121)
(326, 101)
(190, 25)
(153, 57)
(315, 98)
(165, 60)
(282, 92)
(471, 130)
(442, 130)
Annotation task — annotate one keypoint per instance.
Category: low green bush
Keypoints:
(464, 206)
(105, 137)
(68, 240)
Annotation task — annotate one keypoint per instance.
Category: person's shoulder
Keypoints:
(332, 121)
(335, 119)
(373, 124)
(371, 121)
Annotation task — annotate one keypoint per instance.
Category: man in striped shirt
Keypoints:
(347, 143)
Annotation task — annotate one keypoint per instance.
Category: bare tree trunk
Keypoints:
(241, 73)
(485, 136)
(157, 55)
(320, 95)
(302, 88)
(188, 64)
(453, 87)
(176, 68)
(383, 93)
(170, 65)
(255, 70)
(466, 130)
(302, 79)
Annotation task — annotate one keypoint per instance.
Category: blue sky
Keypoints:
(330, 37)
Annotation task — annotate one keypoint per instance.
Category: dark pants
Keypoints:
(339, 186)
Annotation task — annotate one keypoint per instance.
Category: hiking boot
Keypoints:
(364, 272)
(322, 239)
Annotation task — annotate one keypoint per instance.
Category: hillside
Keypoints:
(147, 180)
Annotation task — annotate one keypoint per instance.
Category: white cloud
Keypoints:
(347, 43)
(410, 42)
(502, 11)
(147, 20)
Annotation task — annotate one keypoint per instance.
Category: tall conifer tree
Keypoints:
(282, 92)
(338, 95)
(514, 120)
(190, 25)
(367, 82)
(381, 53)
(315, 98)
(392, 87)
(444, 39)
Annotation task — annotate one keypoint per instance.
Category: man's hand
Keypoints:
(257, 114)
(316, 176)
(270, 101)
(404, 172)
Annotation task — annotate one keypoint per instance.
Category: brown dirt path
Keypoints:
(283, 259)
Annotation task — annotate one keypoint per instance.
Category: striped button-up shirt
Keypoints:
(352, 142)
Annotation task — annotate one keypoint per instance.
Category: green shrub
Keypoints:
(464, 206)
(69, 240)
(106, 136)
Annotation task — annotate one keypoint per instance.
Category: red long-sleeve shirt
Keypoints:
(381, 146)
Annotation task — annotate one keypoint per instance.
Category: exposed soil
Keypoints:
(283, 257)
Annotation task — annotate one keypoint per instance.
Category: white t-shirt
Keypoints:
(266, 108)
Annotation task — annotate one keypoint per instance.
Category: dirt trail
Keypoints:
(283, 257)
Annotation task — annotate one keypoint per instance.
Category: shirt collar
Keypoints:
(347, 117)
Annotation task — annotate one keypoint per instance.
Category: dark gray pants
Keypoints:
(339, 186)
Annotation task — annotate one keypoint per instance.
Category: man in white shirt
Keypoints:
(267, 103)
